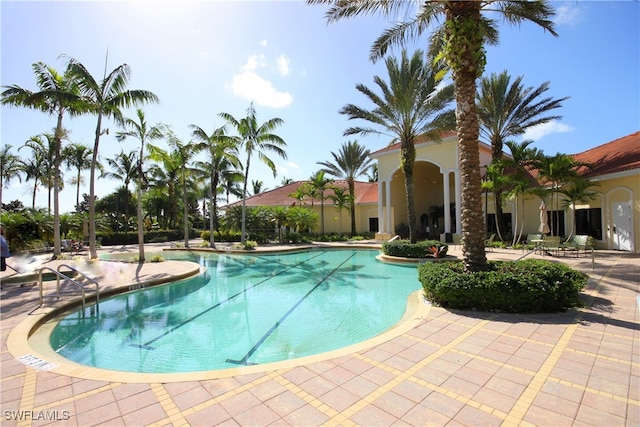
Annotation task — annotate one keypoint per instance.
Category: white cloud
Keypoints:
(253, 62)
(536, 133)
(283, 65)
(250, 85)
(568, 14)
(263, 43)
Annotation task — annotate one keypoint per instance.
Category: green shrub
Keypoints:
(226, 236)
(406, 249)
(529, 286)
(248, 245)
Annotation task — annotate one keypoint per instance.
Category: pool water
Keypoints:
(245, 310)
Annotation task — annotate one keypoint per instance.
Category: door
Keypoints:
(621, 226)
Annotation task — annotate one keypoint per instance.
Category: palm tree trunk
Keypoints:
(407, 161)
(463, 34)
(185, 211)
(141, 257)
(93, 254)
(352, 205)
(56, 189)
(243, 235)
(212, 213)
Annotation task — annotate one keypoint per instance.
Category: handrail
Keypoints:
(84, 276)
(59, 275)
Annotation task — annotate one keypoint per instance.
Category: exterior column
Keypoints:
(447, 203)
(387, 218)
(381, 227)
(458, 202)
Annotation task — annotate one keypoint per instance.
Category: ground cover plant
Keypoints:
(423, 249)
(528, 286)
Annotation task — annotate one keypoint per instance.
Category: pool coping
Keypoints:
(37, 328)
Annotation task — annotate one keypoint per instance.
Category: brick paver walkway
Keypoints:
(450, 368)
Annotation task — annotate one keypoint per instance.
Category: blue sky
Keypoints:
(206, 57)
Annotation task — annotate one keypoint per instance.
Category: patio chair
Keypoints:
(576, 243)
(533, 242)
(551, 243)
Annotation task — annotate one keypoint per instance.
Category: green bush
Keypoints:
(227, 236)
(528, 286)
(406, 249)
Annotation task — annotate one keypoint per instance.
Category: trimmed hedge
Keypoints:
(528, 286)
(406, 249)
(131, 237)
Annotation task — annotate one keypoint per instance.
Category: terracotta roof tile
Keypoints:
(619, 155)
(366, 192)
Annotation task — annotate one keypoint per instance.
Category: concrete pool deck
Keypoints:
(444, 367)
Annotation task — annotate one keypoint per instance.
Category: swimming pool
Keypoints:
(245, 310)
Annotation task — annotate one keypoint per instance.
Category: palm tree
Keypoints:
(46, 153)
(410, 106)
(555, 171)
(35, 169)
(258, 187)
(144, 133)
(342, 199)
(518, 179)
(459, 41)
(10, 167)
(578, 191)
(223, 154)
(351, 161)
(286, 181)
(58, 94)
(125, 169)
(300, 194)
(104, 98)
(77, 156)
(372, 176)
(258, 139)
(178, 160)
(319, 184)
(508, 109)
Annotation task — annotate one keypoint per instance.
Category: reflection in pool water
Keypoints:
(245, 310)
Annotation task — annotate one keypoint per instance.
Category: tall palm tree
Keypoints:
(351, 161)
(223, 154)
(522, 159)
(104, 98)
(459, 41)
(144, 133)
(259, 139)
(178, 159)
(46, 153)
(320, 183)
(77, 156)
(57, 95)
(410, 105)
(508, 109)
(10, 168)
(124, 169)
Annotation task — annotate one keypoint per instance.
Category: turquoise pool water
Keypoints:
(246, 310)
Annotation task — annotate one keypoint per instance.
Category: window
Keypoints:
(491, 223)
(373, 224)
(589, 222)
